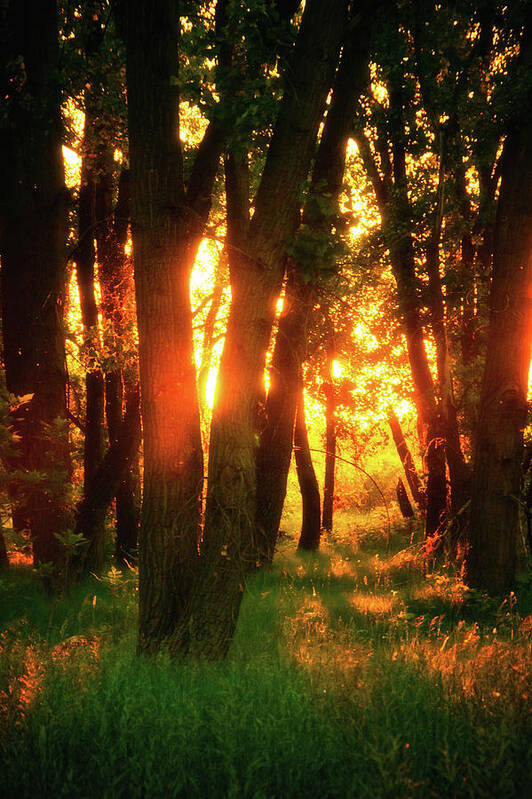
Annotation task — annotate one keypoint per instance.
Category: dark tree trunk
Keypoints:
(458, 471)
(403, 263)
(407, 460)
(274, 453)
(230, 545)
(173, 462)
(330, 439)
(167, 225)
(109, 475)
(494, 518)
(33, 248)
(94, 443)
(405, 506)
(4, 560)
(116, 288)
(309, 538)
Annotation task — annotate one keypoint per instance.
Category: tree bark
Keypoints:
(494, 519)
(167, 224)
(33, 246)
(309, 538)
(405, 456)
(405, 506)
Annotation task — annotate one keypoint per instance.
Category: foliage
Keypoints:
(352, 674)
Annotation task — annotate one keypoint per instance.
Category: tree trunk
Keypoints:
(458, 471)
(405, 506)
(230, 545)
(33, 248)
(309, 538)
(94, 381)
(391, 190)
(173, 463)
(274, 454)
(4, 560)
(494, 519)
(275, 451)
(108, 476)
(405, 456)
(167, 224)
(330, 438)
(116, 287)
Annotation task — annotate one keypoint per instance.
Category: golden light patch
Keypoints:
(374, 604)
(321, 649)
(341, 567)
(337, 369)
(72, 162)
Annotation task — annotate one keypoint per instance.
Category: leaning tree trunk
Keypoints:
(33, 248)
(405, 506)
(230, 545)
(494, 518)
(275, 451)
(309, 538)
(405, 456)
(274, 454)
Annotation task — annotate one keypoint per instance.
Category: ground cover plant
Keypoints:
(354, 672)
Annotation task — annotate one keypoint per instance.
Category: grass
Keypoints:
(352, 674)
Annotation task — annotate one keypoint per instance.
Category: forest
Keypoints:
(265, 443)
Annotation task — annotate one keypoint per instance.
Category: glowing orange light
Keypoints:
(337, 369)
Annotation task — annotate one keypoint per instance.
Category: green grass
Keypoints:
(352, 674)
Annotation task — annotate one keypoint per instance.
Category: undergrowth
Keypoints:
(353, 673)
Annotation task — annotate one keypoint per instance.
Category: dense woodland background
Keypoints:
(236, 236)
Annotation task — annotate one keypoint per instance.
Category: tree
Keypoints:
(167, 220)
(230, 546)
(309, 537)
(311, 265)
(405, 456)
(94, 438)
(386, 166)
(33, 215)
(494, 516)
(329, 390)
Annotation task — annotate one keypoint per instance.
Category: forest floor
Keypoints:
(353, 673)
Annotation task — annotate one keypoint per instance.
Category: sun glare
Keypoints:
(337, 370)
(72, 162)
